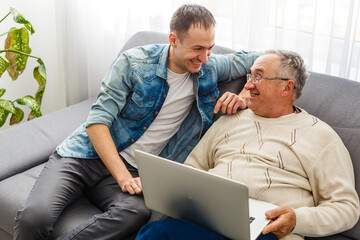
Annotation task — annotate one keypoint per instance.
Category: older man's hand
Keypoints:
(282, 223)
(230, 102)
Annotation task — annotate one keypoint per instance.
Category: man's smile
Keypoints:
(195, 62)
(252, 94)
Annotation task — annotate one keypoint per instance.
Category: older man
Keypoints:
(283, 154)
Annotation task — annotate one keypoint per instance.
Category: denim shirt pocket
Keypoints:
(137, 106)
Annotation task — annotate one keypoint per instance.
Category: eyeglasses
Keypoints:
(255, 78)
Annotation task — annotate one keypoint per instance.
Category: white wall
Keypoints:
(41, 13)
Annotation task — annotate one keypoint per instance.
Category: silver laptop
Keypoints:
(214, 202)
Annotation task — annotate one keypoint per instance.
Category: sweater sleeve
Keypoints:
(336, 202)
(112, 96)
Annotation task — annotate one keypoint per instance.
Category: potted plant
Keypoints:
(17, 51)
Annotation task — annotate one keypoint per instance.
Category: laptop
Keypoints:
(214, 202)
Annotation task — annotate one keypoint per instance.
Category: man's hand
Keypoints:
(229, 103)
(131, 185)
(282, 223)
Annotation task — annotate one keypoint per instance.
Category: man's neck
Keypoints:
(280, 111)
(172, 62)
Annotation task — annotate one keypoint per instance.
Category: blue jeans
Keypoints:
(179, 229)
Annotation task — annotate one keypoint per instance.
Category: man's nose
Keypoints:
(249, 85)
(204, 56)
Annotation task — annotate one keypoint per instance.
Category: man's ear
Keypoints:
(173, 39)
(288, 88)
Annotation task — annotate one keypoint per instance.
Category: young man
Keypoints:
(283, 154)
(157, 98)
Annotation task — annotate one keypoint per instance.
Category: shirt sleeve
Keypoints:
(337, 204)
(112, 96)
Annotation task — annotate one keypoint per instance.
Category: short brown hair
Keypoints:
(188, 15)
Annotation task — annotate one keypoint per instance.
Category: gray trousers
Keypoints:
(65, 179)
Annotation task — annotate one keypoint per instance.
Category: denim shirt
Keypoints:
(134, 90)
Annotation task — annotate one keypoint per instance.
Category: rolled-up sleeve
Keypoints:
(113, 93)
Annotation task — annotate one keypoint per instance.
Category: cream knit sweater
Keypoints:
(297, 161)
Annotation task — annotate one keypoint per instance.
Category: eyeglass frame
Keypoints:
(255, 78)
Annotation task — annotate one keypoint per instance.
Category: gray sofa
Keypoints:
(25, 148)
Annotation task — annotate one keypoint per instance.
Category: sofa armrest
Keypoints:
(31, 143)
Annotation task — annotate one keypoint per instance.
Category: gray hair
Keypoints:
(188, 15)
(292, 66)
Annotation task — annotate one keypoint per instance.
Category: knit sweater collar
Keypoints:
(280, 120)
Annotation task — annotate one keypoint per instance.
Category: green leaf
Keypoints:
(3, 65)
(19, 18)
(40, 76)
(2, 91)
(7, 105)
(17, 39)
(41, 69)
(17, 117)
(31, 103)
(3, 116)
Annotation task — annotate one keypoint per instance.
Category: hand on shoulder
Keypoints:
(230, 103)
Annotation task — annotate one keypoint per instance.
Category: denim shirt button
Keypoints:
(92, 154)
(145, 128)
(164, 95)
(132, 140)
(156, 112)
